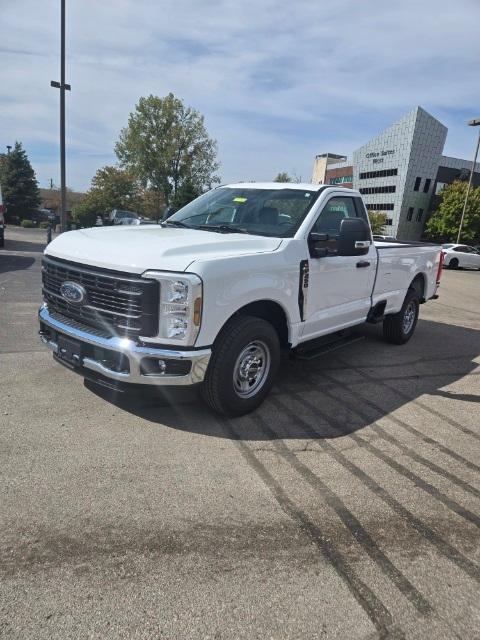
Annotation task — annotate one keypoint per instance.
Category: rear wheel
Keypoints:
(243, 365)
(453, 264)
(399, 327)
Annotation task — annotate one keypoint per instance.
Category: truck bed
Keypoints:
(399, 263)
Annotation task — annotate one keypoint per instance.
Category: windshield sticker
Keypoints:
(307, 195)
(240, 200)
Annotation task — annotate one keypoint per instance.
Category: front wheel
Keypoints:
(398, 328)
(453, 264)
(245, 359)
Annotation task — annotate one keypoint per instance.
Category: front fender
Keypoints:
(233, 283)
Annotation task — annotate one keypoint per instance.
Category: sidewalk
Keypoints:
(18, 239)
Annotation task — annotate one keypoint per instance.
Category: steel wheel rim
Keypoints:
(409, 317)
(251, 369)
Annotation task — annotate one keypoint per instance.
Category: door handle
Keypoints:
(363, 263)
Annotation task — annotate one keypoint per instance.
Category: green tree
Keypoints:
(444, 223)
(378, 220)
(111, 188)
(19, 184)
(83, 215)
(185, 194)
(166, 144)
(283, 176)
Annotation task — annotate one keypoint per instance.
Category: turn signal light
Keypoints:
(197, 312)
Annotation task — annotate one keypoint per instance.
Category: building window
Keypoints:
(419, 215)
(383, 173)
(341, 179)
(426, 186)
(410, 214)
(439, 186)
(417, 184)
(380, 207)
(387, 189)
(389, 222)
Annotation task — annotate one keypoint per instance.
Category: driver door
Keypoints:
(340, 287)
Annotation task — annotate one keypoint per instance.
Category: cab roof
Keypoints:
(301, 186)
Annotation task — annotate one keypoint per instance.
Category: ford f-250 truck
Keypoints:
(215, 294)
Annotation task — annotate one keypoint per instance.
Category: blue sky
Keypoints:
(277, 82)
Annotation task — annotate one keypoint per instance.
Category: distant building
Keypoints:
(50, 199)
(324, 174)
(401, 172)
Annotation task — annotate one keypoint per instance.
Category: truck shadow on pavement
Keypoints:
(338, 394)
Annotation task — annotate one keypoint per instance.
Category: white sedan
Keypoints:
(461, 255)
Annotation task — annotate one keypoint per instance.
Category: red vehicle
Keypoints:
(3, 210)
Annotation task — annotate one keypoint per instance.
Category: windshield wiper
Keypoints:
(221, 228)
(175, 223)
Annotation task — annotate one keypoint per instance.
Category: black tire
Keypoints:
(453, 264)
(396, 328)
(219, 389)
(2, 240)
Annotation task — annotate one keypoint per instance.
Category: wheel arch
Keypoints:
(419, 284)
(269, 310)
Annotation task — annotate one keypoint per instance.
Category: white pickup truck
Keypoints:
(216, 293)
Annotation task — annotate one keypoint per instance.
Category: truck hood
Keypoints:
(136, 249)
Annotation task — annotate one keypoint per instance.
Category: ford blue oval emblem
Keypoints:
(73, 292)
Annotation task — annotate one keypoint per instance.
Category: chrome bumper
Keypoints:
(134, 353)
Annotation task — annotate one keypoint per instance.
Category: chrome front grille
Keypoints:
(116, 303)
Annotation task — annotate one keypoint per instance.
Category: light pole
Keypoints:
(62, 86)
(472, 123)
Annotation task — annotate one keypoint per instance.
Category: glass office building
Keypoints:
(400, 172)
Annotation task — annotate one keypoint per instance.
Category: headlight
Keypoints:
(180, 306)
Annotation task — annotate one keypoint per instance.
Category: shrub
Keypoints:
(84, 216)
(44, 225)
(28, 224)
(378, 220)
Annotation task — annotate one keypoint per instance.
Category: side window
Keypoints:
(461, 249)
(333, 213)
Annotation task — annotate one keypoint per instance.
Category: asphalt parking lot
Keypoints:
(346, 507)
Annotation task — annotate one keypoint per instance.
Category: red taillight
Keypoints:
(440, 266)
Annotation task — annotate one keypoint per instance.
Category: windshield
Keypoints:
(266, 212)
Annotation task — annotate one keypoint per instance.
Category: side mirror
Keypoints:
(354, 237)
(318, 244)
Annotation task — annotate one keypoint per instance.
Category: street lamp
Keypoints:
(63, 87)
(472, 123)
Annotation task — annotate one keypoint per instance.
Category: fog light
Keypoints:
(162, 366)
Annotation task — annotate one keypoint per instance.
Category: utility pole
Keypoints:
(63, 87)
(472, 123)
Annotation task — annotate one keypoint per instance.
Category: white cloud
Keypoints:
(277, 82)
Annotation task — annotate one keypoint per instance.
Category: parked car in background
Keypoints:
(384, 238)
(2, 220)
(119, 216)
(461, 256)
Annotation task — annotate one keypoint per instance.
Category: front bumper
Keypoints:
(134, 363)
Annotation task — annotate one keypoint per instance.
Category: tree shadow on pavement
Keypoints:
(14, 263)
(340, 393)
(24, 245)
